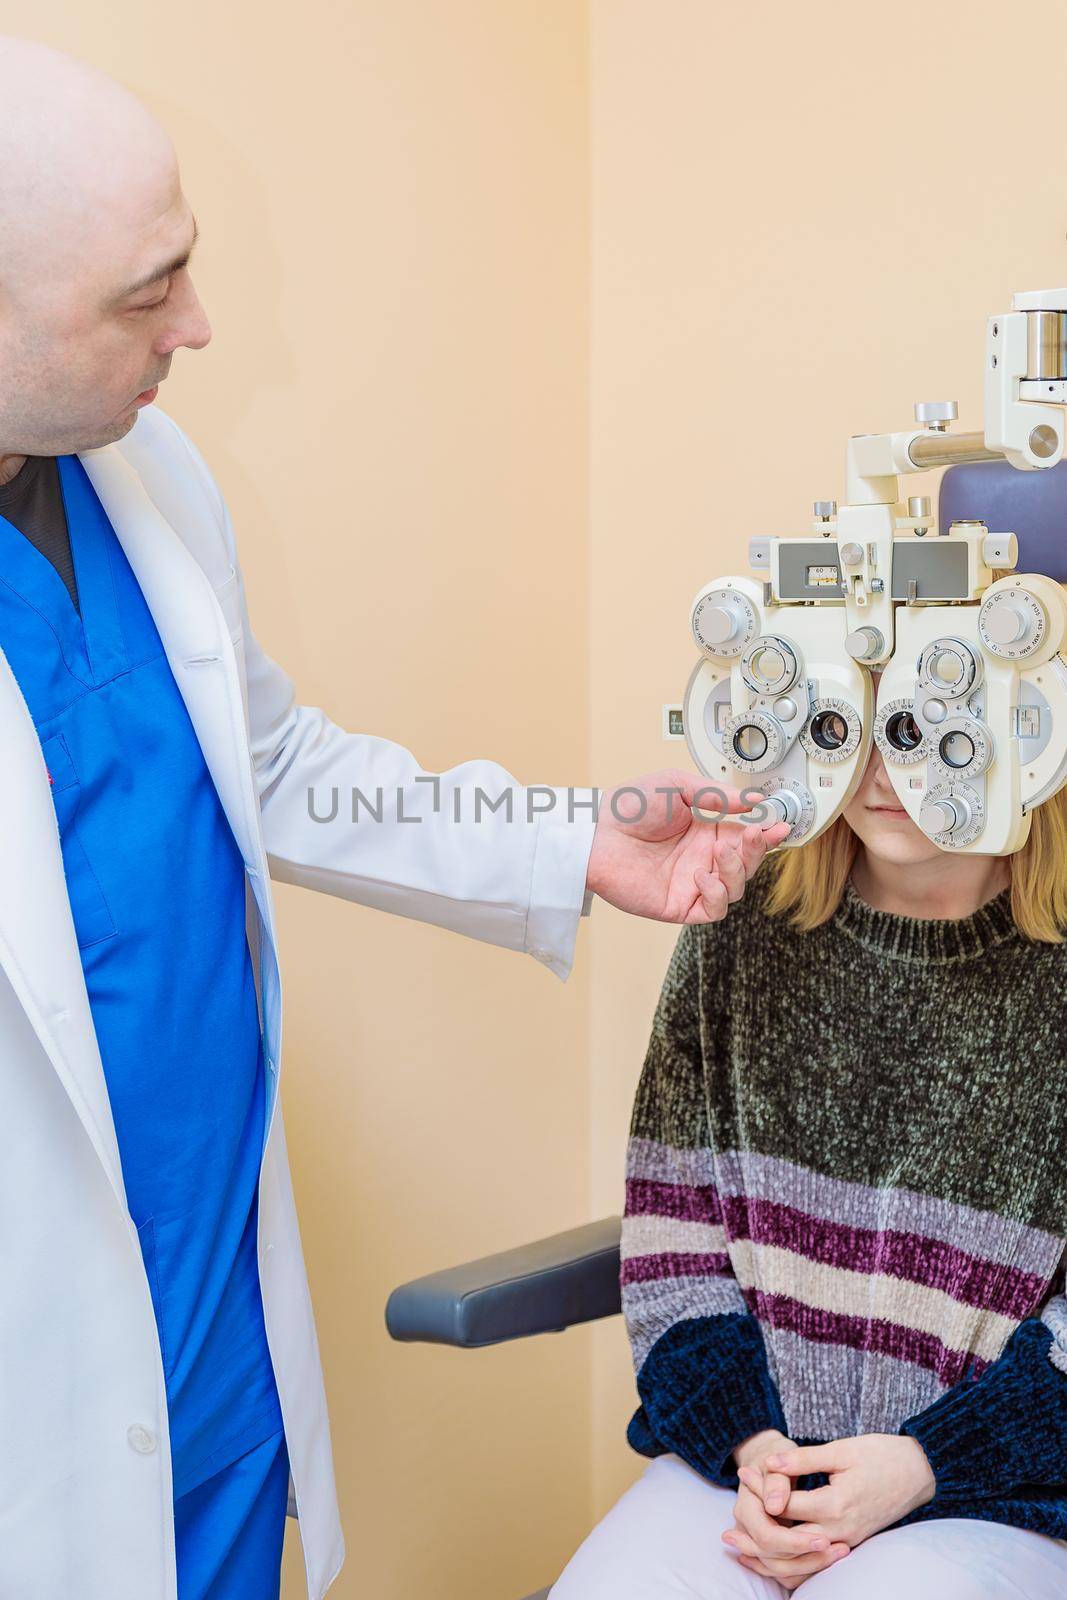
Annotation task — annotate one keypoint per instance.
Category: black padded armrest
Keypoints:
(539, 1288)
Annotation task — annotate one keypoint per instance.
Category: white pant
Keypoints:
(661, 1541)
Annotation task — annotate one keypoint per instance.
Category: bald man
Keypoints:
(159, 1376)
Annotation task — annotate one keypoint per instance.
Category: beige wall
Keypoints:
(801, 217)
(796, 228)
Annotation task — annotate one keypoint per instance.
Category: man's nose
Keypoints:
(197, 332)
(190, 330)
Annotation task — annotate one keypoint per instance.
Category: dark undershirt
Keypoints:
(33, 503)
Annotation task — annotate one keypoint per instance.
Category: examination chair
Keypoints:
(573, 1277)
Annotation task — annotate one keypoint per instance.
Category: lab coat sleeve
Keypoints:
(357, 816)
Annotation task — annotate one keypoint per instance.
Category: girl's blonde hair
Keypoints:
(808, 882)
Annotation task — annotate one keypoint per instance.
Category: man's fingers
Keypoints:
(730, 867)
(712, 798)
(757, 841)
(737, 851)
(749, 833)
(714, 899)
(733, 833)
(750, 842)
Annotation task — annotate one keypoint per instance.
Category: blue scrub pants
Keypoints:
(229, 1530)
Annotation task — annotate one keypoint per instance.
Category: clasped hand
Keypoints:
(788, 1533)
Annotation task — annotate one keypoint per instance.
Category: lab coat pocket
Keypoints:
(93, 921)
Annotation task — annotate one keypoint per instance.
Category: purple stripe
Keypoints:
(675, 1264)
(912, 1256)
(685, 1201)
(915, 1257)
(865, 1333)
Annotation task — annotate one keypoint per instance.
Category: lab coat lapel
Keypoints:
(38, 943)
(194, 634)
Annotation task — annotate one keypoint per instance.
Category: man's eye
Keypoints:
(154, 305)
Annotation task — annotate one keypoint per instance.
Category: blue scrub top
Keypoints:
(157, 892)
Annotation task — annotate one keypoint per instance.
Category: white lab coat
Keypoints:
(85, 1476)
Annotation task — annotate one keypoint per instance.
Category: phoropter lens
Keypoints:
(829, 730)
(957, 749)
(750, 742)
(902, 731)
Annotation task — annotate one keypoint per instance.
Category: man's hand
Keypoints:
(763, 1544)
(653, 857)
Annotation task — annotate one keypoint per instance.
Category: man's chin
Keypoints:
(117, 429)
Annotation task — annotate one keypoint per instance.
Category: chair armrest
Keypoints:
(539, 1288)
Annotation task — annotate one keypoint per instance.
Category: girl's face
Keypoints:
(882, 825)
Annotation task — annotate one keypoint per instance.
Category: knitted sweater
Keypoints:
(846, 1199)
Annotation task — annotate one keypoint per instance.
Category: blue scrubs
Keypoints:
(157, 892)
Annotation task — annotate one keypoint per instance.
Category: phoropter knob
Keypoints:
(947, 815)
(1006, 624)
(865, 644)
(787, 804)
(1014, 622)
(723, 621)
(936, 414)
(720, 624)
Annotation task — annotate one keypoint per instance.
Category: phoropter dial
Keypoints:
(769, 665)
(950, 668)
(952, 815)
(792, 802)
(1012, 623)
(833, 730)
(753, 741)
(898, 735)
(724, 622)
(962, 747)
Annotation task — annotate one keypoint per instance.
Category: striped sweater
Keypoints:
(846, 1199)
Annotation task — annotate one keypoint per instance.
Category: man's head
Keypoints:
(95, 296)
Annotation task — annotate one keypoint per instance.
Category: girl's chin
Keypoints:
(893, 836)
(901, 844)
